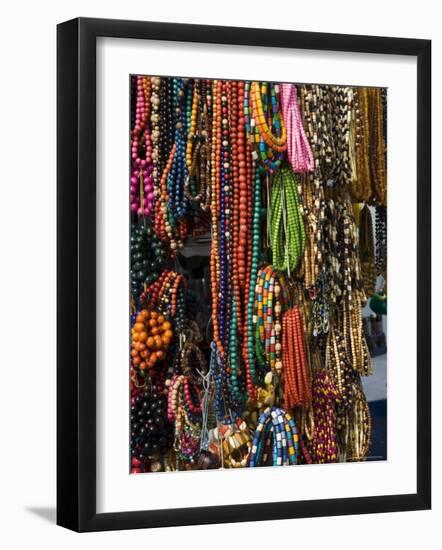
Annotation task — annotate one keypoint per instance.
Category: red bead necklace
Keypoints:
(297, 385)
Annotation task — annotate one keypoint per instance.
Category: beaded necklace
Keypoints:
(147, 257)
(377, 146)
(270, 300)
(318, 119)
(311, 196)
(370, 149)
(276, 429)
(214, 209)
(184, 414)
(226, 240)
(236, 444)
(190, 366)
(287, 234)
(320, 307)
(178, 203)
(251, 373)
(297, 383)
(338, 363)
(324, 396)
(343, 112)
(381, 241)
(151, 336)
(299, 152)
(141, 182)
(198, 148)
(262, 118)
(354, 425)
(356, 343)
(366, 251)
(151, 433)
(360, 185)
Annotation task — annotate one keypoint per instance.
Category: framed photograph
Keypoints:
(236, 207)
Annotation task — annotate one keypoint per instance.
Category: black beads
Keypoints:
(148, 256)
(151, 433)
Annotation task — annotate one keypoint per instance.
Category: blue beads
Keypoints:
(276, 429)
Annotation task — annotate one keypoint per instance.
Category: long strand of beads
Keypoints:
(178, 202)
(270, 300)
(141, 182)
(214, 209)
(381, 241)
(366, 251)
(251, 371)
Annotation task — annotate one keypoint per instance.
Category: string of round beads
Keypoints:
(141, 182)
(250, 362)
(151, 433)
(151, 336)
(147, 256)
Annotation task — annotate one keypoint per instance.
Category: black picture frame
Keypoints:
(76, 273)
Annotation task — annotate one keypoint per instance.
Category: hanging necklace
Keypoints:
(198, 148)
(263, 117)
(366, 251)
(252, 379)
(299, 152)
(276, 440)
(287, 234)
(381, 241)
(270, 300)
(178, 204)
(214, 209)
(297, 383)
(324, 396)
(141, 182)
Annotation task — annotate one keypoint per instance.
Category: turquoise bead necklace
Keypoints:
(253, 274)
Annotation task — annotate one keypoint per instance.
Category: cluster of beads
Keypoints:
(270, 300)
(141, 182)
(324, 446)
(276, 440)
(265, 124)
(151, 433)
(299, 152)
(147, 258)
(297, 383)
(269, 173)
(287, 234)
(236, 444)
(151, 337)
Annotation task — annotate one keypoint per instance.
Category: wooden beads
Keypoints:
(297, 383)
(151, 337)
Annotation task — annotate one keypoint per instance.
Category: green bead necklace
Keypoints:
(287, 233)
